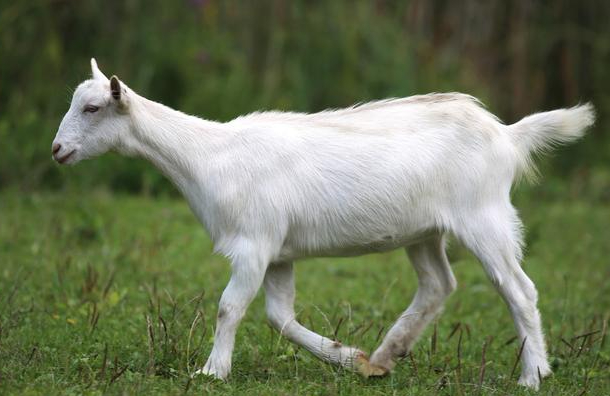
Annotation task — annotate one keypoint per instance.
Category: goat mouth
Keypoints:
(63, 159)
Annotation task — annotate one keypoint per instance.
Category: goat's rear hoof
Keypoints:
(367, 369)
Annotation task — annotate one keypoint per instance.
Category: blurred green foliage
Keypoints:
(219, 59)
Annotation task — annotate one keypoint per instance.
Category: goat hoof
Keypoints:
(530, 382)
(532, 379)
(367, 369)
(211, 372)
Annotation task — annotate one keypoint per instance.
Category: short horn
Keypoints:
(96, 72)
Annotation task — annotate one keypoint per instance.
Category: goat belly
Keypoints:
(296, 249)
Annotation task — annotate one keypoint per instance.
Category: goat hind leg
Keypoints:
(495, 241)
(436, 282)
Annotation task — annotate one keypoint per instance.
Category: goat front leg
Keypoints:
(246, 279)
(280, 294)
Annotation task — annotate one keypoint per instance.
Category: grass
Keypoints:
(104, 294)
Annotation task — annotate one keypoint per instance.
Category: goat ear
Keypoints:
(115, 88)
(96, 72)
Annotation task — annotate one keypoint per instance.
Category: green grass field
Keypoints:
(106, 294)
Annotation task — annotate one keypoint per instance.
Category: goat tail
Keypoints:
(540, 132)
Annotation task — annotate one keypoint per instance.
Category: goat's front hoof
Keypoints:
(367, 369)
(530, 381)
(532, 378)
(210, 370)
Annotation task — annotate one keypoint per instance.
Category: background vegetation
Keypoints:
(107, 282)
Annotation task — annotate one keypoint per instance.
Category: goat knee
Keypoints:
(279, 318)
(529, 289)
(450, 285)
(439, 290)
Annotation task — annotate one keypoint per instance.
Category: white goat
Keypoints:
(274, 187)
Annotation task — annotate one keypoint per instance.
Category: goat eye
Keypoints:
(90, 109)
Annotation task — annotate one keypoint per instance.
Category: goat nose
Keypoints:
(56, 147)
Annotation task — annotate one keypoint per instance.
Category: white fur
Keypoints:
(274, 187)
